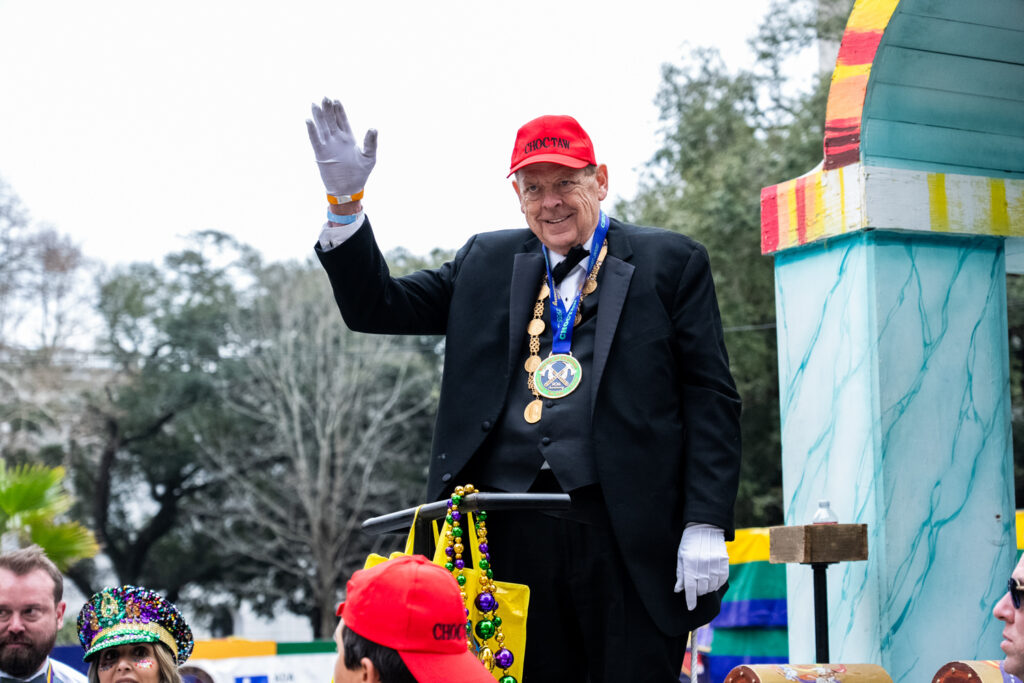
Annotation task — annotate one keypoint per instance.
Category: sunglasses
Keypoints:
(1015, 589)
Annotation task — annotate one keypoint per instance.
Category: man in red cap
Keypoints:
(403, 621)
(584, 355)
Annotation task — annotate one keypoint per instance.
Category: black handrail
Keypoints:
(402, 519)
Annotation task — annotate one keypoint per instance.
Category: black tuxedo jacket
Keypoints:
(665, 410)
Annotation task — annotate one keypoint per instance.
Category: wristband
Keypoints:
(343, 220)
(344, 198)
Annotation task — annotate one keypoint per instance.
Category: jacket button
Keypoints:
(442, 456)
(545, 441)
(446, 477)
(486, 425)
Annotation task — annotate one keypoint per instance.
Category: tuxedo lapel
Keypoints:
(527, 270)
(611, 297)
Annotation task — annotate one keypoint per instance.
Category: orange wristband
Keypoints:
(344, 198)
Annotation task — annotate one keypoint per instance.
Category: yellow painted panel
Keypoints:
(997, 207)
(751, 545)
(791, 223)
(938, 206)
(871, 14)
(851, 71)
(1019, 518)
(815, 208)
(233, 647)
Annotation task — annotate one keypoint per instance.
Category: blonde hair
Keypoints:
(166, 665)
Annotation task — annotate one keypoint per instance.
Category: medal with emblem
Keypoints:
(557, 376)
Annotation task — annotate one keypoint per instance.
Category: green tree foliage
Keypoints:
(331, 427)
(33, 507)
(135, 457)
(726, 134)
(242, 433)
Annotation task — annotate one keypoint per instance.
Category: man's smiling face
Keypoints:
(561, 204)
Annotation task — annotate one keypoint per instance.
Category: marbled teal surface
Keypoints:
(894, 390)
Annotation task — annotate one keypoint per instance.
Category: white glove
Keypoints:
(343, 166)
(702, 563)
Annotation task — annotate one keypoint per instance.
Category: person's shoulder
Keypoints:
(505, 237)
(66, 674)
(496, 243)
(658, 241)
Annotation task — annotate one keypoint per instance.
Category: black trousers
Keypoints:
(586, 623)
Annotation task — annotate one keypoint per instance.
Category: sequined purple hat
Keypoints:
(129, 614)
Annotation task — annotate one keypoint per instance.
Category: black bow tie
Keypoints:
(575, 255)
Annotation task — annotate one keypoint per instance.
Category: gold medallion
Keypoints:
(535, 327)
(544, 291)
(589, 286)
(532, 412)
(532, 363)
(578, 319)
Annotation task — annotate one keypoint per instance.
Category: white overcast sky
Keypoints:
(129, 124)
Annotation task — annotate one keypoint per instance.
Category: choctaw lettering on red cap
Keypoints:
(543, 143)
(449, 631)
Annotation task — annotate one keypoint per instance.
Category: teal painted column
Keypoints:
(895, 406)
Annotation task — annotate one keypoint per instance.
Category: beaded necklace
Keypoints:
(489, 623)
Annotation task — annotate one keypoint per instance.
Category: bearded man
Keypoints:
(31, 613)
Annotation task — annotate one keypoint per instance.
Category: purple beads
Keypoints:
(483, 548)
(485, 602)
(449, 551)
(456, 515)
(503, 658)
(459, 564)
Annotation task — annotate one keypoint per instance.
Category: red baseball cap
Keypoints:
(414, 606)
(557, 139)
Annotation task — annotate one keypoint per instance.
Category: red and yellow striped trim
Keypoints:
(857, 51)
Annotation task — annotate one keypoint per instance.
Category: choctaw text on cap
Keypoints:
(449, 631)
(552, 139)
(544, 143)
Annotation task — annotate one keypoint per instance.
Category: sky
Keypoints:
(129, 124)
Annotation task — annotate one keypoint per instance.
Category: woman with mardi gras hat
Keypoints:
(131, 633)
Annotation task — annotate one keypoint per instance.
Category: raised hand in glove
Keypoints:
(343, 166)
(702, 563)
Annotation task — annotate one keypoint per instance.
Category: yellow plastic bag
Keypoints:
(513, 598)
(373, 559)
(513, 603)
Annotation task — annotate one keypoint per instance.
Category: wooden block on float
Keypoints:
(817, 543)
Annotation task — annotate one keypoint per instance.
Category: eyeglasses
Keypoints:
(1015, 589)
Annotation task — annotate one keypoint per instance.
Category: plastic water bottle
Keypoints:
(824, 514)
